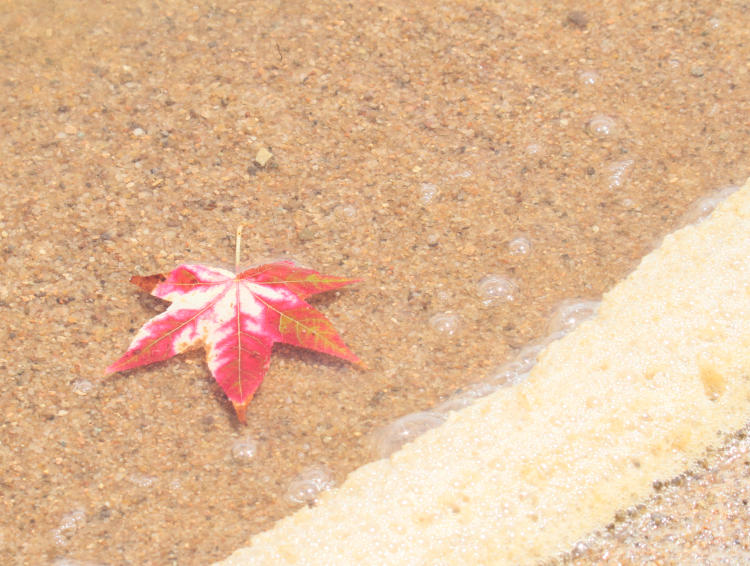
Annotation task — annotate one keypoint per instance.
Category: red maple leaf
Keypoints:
(237, 318)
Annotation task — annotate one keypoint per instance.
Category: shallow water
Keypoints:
(411, 147)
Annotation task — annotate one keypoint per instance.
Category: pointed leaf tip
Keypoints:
(241, 409)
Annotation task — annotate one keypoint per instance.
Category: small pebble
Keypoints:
(578, 18)
(263, 157)
(306, 234)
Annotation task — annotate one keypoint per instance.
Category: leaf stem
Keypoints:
(237, 245)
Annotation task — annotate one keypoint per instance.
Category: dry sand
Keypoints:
(130, 134)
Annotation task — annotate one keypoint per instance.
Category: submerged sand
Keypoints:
(410, 146)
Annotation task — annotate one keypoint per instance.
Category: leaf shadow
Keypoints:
(151, 304)
(325, 298)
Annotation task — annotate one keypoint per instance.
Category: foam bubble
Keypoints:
(494, 289)
(530, 352)
(534, 150)
(307, 486)
(703, 207)
(517, 369)
(589, 77)
(509, 373)
(73, 562)
(445, 322)
(619, 172)
(570, 313)
(401, 431)
(427, 193)
(520, 245)
(465, 397)
(244, 450)
(82, 387)
(141, 480)
(346, 211)
(601, 126)
(68, 526)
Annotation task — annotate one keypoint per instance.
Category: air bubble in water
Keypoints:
(69, 524)
(601, 126)
(244, 450)
(534, 149)
(619, 173)
(401, 431)
(142, 480)
(588, 77)
(81, 387)
(346, 211)
(510, 373)
(517, 369)
(703, 207)
(465, 397)
(307, 486)
(495, 289)
(73, 562)
(530, 352)
(519, 245)
(570, 313)
(427, 193)
(445, 322)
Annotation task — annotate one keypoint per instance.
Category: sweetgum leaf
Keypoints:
(237, 318)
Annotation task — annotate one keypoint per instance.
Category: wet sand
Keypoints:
(410, 146)
(699, 517)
